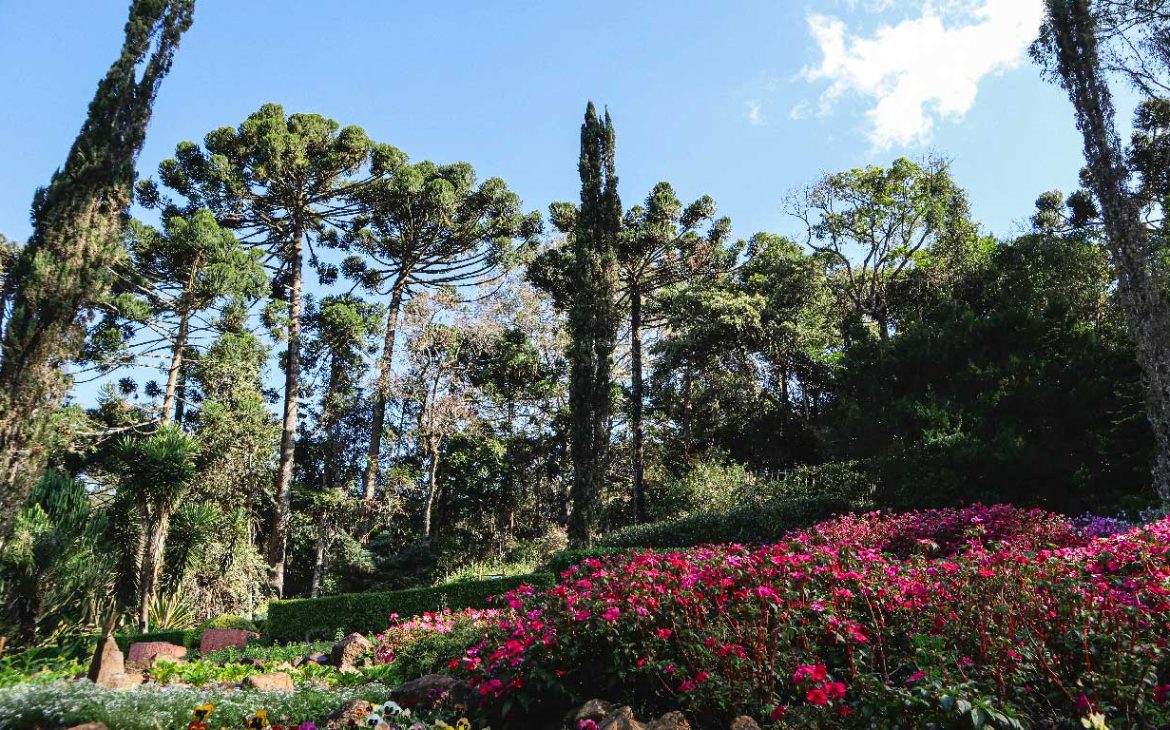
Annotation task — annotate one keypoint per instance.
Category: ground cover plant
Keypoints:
(984, 616)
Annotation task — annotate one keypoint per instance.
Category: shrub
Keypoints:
(183, 637)
(296, 619)
(228, 621)
(561, 561)
(747, 524)
(427, 644)
(987, 616)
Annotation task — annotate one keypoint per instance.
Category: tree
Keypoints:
(157, 469)
(66, 265)
(425, 227)
(886, 216)
(593, 320)
(168, 285)
(280, 181)
(1068, 44)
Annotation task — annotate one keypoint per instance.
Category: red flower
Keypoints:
(817, 696)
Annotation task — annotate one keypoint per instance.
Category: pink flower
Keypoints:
(817, 696)
(611, 614)
(664, 634)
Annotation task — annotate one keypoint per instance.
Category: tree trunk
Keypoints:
(636, 398)
(382, 392)
(156, 542)
(318, 566)
(278, 533)
(431, 484)
(1141, 287)
(687, 410)
(168, 405)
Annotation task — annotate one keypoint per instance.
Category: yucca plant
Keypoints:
(173, 611)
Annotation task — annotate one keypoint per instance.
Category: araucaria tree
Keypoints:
(426, 227)
(593, 321)
(1069, 46)
(280, 181)
(67, 264)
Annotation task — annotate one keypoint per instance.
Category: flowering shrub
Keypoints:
(425, 644)
(985, 615)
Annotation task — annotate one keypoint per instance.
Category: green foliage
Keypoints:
(559, 562)
(745, 524)
(276, 653)
(296, 619)
(31, 706)
(182, 637)
(228, 621)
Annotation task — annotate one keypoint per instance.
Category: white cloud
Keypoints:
(923, 67)
(755, 113)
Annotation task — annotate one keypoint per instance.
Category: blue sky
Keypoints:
(742, 100)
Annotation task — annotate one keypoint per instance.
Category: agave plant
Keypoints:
(173, 611)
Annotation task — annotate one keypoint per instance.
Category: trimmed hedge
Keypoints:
(183, 637)
(753, 523)
(321, 618)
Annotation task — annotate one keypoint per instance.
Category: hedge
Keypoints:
(183, 637)
(754, 523)
(321, 618)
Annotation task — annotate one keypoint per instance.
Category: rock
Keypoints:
(352, 713)
(216, 639)
(348, 651)
(319, 658)
(743, 722)
(145, 653)
(249, 661)
(90, 726)
(124, 680)
(428, 692)
(110, 662)
(671, 721)
(621, 719)
(271, 682)
(595, 710)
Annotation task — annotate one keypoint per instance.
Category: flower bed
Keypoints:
(987, 615)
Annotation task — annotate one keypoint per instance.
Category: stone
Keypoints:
(621, 719)
(595, 710)
(427, 692)
(146, 653)
(216, 639)
(90, 726)
(319, 658)
(351, 714)
(671, 721)
(124, 680)
(347, 652)
(110, 662)
(249, 661)
(271, 682)
(743, 722)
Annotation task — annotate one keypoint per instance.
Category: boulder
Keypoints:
(216, 639)
(145, 653)
(595, 710)
(319, 658)
(621, 719)
(743, 722)
(347, 652)
(671, 721)
(430, 691)
(123, 680)
(351, 714)
(110, 662)
(271, 682)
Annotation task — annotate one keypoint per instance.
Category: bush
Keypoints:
(747, 524)
(228, 621)
(296, 619)
(979, 617)
(427, 644)
(183, 637)
(561, 561)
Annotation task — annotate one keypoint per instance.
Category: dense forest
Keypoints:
(295, 361)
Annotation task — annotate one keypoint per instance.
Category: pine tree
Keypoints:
(66, 265)
(593, 321)
(1069, 43)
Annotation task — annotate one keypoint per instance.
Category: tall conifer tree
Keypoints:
(68, 261)
(593, 320)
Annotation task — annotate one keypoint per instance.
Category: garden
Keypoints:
(994, 617)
